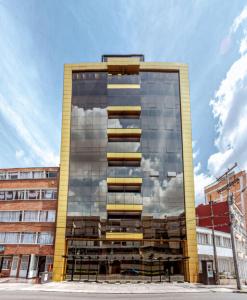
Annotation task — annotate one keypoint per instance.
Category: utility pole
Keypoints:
(214, 244)
(231, 219)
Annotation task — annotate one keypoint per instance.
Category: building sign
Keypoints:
(1, 248)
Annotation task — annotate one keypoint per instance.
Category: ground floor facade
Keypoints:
(25, 266)
(94, 260)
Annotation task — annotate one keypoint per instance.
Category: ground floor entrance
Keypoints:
(24, 266)
(92, 268)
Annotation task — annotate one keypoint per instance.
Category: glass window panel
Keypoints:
(45, 238)
(2, 196)
(38, 174)
(28, 238)
(31, 216)
(11, 238)
(25, 175)
(33, 194)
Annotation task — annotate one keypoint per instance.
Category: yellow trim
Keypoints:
(124, 131)
(124, 207)
(124, 109)
(123, 86)
(123, 236)
(124, 181)
(60, 242)
(191, 271)
(124, 156)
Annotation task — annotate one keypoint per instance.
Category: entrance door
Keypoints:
(41, 264)
(14, 266)
(24, 266)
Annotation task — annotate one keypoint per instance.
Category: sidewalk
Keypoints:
(116, 288)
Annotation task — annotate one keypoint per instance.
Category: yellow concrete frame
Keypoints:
(126, 109)
(124, 207)
(123, 86)
(191, 271)
(124, 131)
(60, 242)
(123, 236)
(124, 156)
(124, 181)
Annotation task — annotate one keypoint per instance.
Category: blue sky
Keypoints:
(39, 36)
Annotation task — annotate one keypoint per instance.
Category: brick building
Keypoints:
(238, 190)
(28, 203)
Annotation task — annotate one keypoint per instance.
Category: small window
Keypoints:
(33, 194)
(25, 175)
(50, 174)
(2, 175)
(6, 264)
(2, 196)
(13, 175)
(38, 174)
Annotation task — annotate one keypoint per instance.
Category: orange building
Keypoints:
(28, 203)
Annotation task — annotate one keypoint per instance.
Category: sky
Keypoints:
(37, 37)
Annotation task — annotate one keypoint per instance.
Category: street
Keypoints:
(30, 295)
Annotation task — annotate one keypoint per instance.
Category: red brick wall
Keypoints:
(28, 205)
(42, 183)
(29, 249)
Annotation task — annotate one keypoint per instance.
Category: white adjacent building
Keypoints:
(224, 251)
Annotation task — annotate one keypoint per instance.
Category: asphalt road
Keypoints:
(31, 295)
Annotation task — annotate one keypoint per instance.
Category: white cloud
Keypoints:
(24, 104)
(201, 181)
(239, 20)
(227, 40)
(243, 44)
(229, 107)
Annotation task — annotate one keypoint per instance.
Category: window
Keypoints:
(13, 175)
(38, 174)
(50, 174)
(2, 196)
(49, 194)
(51, 216)
(47, 216)
(217, 241)
(2, 175)
(25, 175)
(21, 195)
(202, 239)
(48, 263)
(28, 238)
(226, 242)
(2, 237)
(10, 216)
(11, 238)
(31, 216)
(6, 265)
(33, 194)
(45, 238)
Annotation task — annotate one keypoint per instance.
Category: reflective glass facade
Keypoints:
(118, 228)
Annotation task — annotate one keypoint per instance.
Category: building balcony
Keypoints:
(125, 184)
(124, 159)
(124, 236)
(133, 181)
(124, 208)
(123, 111)
(124, 134)
(123, 86)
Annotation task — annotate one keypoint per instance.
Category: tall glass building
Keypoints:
(126, 194)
